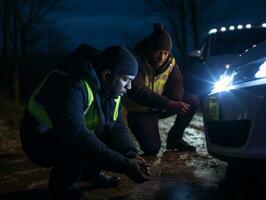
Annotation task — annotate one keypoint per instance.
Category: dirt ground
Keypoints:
(175, 175)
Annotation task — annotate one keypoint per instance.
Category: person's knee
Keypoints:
(193, 100)
(152, 149)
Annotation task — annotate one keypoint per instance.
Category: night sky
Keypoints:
(107, 22)
(104, 22)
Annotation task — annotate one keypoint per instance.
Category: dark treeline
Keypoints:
(32, 70)
(27, 32)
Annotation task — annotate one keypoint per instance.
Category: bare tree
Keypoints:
(33, 21)
(194, 22)
(189, 19)
(25, 24)
(174, 12)
(204, 13)
(5, 11)
(130, 39)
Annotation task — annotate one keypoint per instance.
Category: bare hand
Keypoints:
(179, 106)
(138, 170)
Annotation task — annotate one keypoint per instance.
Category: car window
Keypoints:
(236, 42)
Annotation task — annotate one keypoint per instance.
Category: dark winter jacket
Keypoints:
(65, 100)
(142, 95)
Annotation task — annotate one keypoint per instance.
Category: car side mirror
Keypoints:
(196, 54)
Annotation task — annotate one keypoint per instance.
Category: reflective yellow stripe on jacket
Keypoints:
(154, 83)
(91, 114)
(37, 110)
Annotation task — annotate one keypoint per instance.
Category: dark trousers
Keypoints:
(145, 125)
(68, 166)
(68, 172)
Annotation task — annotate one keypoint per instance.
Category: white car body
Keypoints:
(235, 115)
(217, 52)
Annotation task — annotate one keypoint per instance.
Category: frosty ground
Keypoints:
(175, 175)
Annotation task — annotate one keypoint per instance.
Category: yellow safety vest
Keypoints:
(91, 115)
(154, 83)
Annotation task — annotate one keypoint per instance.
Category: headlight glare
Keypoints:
(224, 82)
(261, 73)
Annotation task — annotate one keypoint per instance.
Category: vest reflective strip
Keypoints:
(158, 82)
(90, 96)
(91, 99)
(116, 111)
(91, 115)
(41, 115)
(38, 110)
(92, 119)
(156, 85)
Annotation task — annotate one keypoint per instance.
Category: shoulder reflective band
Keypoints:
(117, 103)
(38, 110)
(90, 96)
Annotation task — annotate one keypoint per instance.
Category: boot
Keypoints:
(180, 145)
(71, 193)
(63, 184)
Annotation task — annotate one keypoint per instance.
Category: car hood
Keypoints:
(257, 52)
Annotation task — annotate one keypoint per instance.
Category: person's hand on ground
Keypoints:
(138, 170)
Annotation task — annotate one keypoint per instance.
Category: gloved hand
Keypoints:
(179, 106)
(138, 170)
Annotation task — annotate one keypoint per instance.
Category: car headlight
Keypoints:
(261, 73)
(224, 82)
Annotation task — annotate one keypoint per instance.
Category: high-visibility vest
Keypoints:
(154, 83)
(91, 114)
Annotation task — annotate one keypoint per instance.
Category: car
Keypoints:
(234, 112)
(217, 53)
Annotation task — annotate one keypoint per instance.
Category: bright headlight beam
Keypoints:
(224, 82)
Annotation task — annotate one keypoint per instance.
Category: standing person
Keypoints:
(73, 122)
(157, 92)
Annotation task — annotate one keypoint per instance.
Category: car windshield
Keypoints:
(236, 42)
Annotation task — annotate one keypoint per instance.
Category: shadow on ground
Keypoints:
(175, 175)
(36, 194)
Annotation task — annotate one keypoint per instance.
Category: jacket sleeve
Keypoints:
(174, 86)
(67, 115)
(144, 96)
(119, 138)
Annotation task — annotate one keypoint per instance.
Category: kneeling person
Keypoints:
(157, 92)
(73, 122)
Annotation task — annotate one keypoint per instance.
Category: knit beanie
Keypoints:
(119, 60)
(159, 39)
